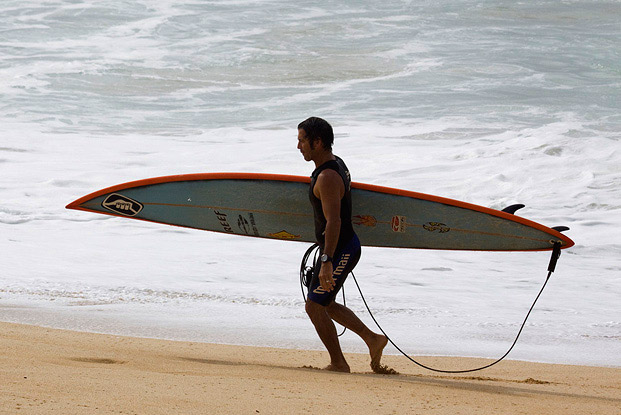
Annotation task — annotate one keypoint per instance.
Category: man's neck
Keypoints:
(323, 157)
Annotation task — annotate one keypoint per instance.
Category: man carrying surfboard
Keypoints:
(330, 196)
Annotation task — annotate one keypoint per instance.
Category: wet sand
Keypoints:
(63, 372)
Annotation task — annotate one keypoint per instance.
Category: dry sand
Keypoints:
(46, 371)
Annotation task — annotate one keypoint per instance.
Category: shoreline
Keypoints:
(388, 351)
(152, 322)
(49, 370)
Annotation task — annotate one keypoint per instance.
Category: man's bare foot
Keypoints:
(376, 348)
(383, 369)
(339, 368)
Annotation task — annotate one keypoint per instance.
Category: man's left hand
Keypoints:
(325, 276)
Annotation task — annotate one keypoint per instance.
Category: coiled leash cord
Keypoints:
(306, 274)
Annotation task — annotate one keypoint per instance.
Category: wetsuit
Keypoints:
(347, 251)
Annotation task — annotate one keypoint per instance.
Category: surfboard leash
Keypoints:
(306, 274)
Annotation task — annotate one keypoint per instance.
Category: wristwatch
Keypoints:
(326, 258)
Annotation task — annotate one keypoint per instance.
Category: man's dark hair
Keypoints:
(318, 128)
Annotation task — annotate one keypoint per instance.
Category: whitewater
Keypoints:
(489, 102)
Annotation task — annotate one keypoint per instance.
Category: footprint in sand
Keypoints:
(96, 360)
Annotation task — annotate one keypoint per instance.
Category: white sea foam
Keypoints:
(491, 104)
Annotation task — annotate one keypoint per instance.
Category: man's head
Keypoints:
(317, 129)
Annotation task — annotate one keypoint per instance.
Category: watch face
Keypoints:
(324, 258)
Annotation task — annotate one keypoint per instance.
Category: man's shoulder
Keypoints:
(328, 175)
(329, 181)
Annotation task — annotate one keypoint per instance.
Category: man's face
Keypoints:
(304, 145)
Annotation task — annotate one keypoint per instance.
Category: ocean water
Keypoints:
(490, 102)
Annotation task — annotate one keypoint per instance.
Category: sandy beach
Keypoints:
(55, 371)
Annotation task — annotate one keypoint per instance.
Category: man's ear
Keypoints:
(316, 142)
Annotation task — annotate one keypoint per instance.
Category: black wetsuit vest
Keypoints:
(347, 230)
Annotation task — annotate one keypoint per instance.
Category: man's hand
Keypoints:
(325, 276)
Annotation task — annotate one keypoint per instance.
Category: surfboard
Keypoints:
(277, 207)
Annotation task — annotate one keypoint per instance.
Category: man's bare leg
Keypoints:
(327, 333)
(346, 318)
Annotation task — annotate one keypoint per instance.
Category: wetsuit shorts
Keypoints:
(342, 264)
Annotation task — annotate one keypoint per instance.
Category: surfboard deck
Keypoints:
(277, 207)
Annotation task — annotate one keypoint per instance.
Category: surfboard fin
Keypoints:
(513, 208)
(560, 228)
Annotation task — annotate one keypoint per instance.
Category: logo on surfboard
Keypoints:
(243, 225)
(398, 224)
(365, 220)
(223, 221)
(436, 226)
(283, 235)
(246, 227)
(122, 205)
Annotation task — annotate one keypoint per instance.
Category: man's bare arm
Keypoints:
(330, 189)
